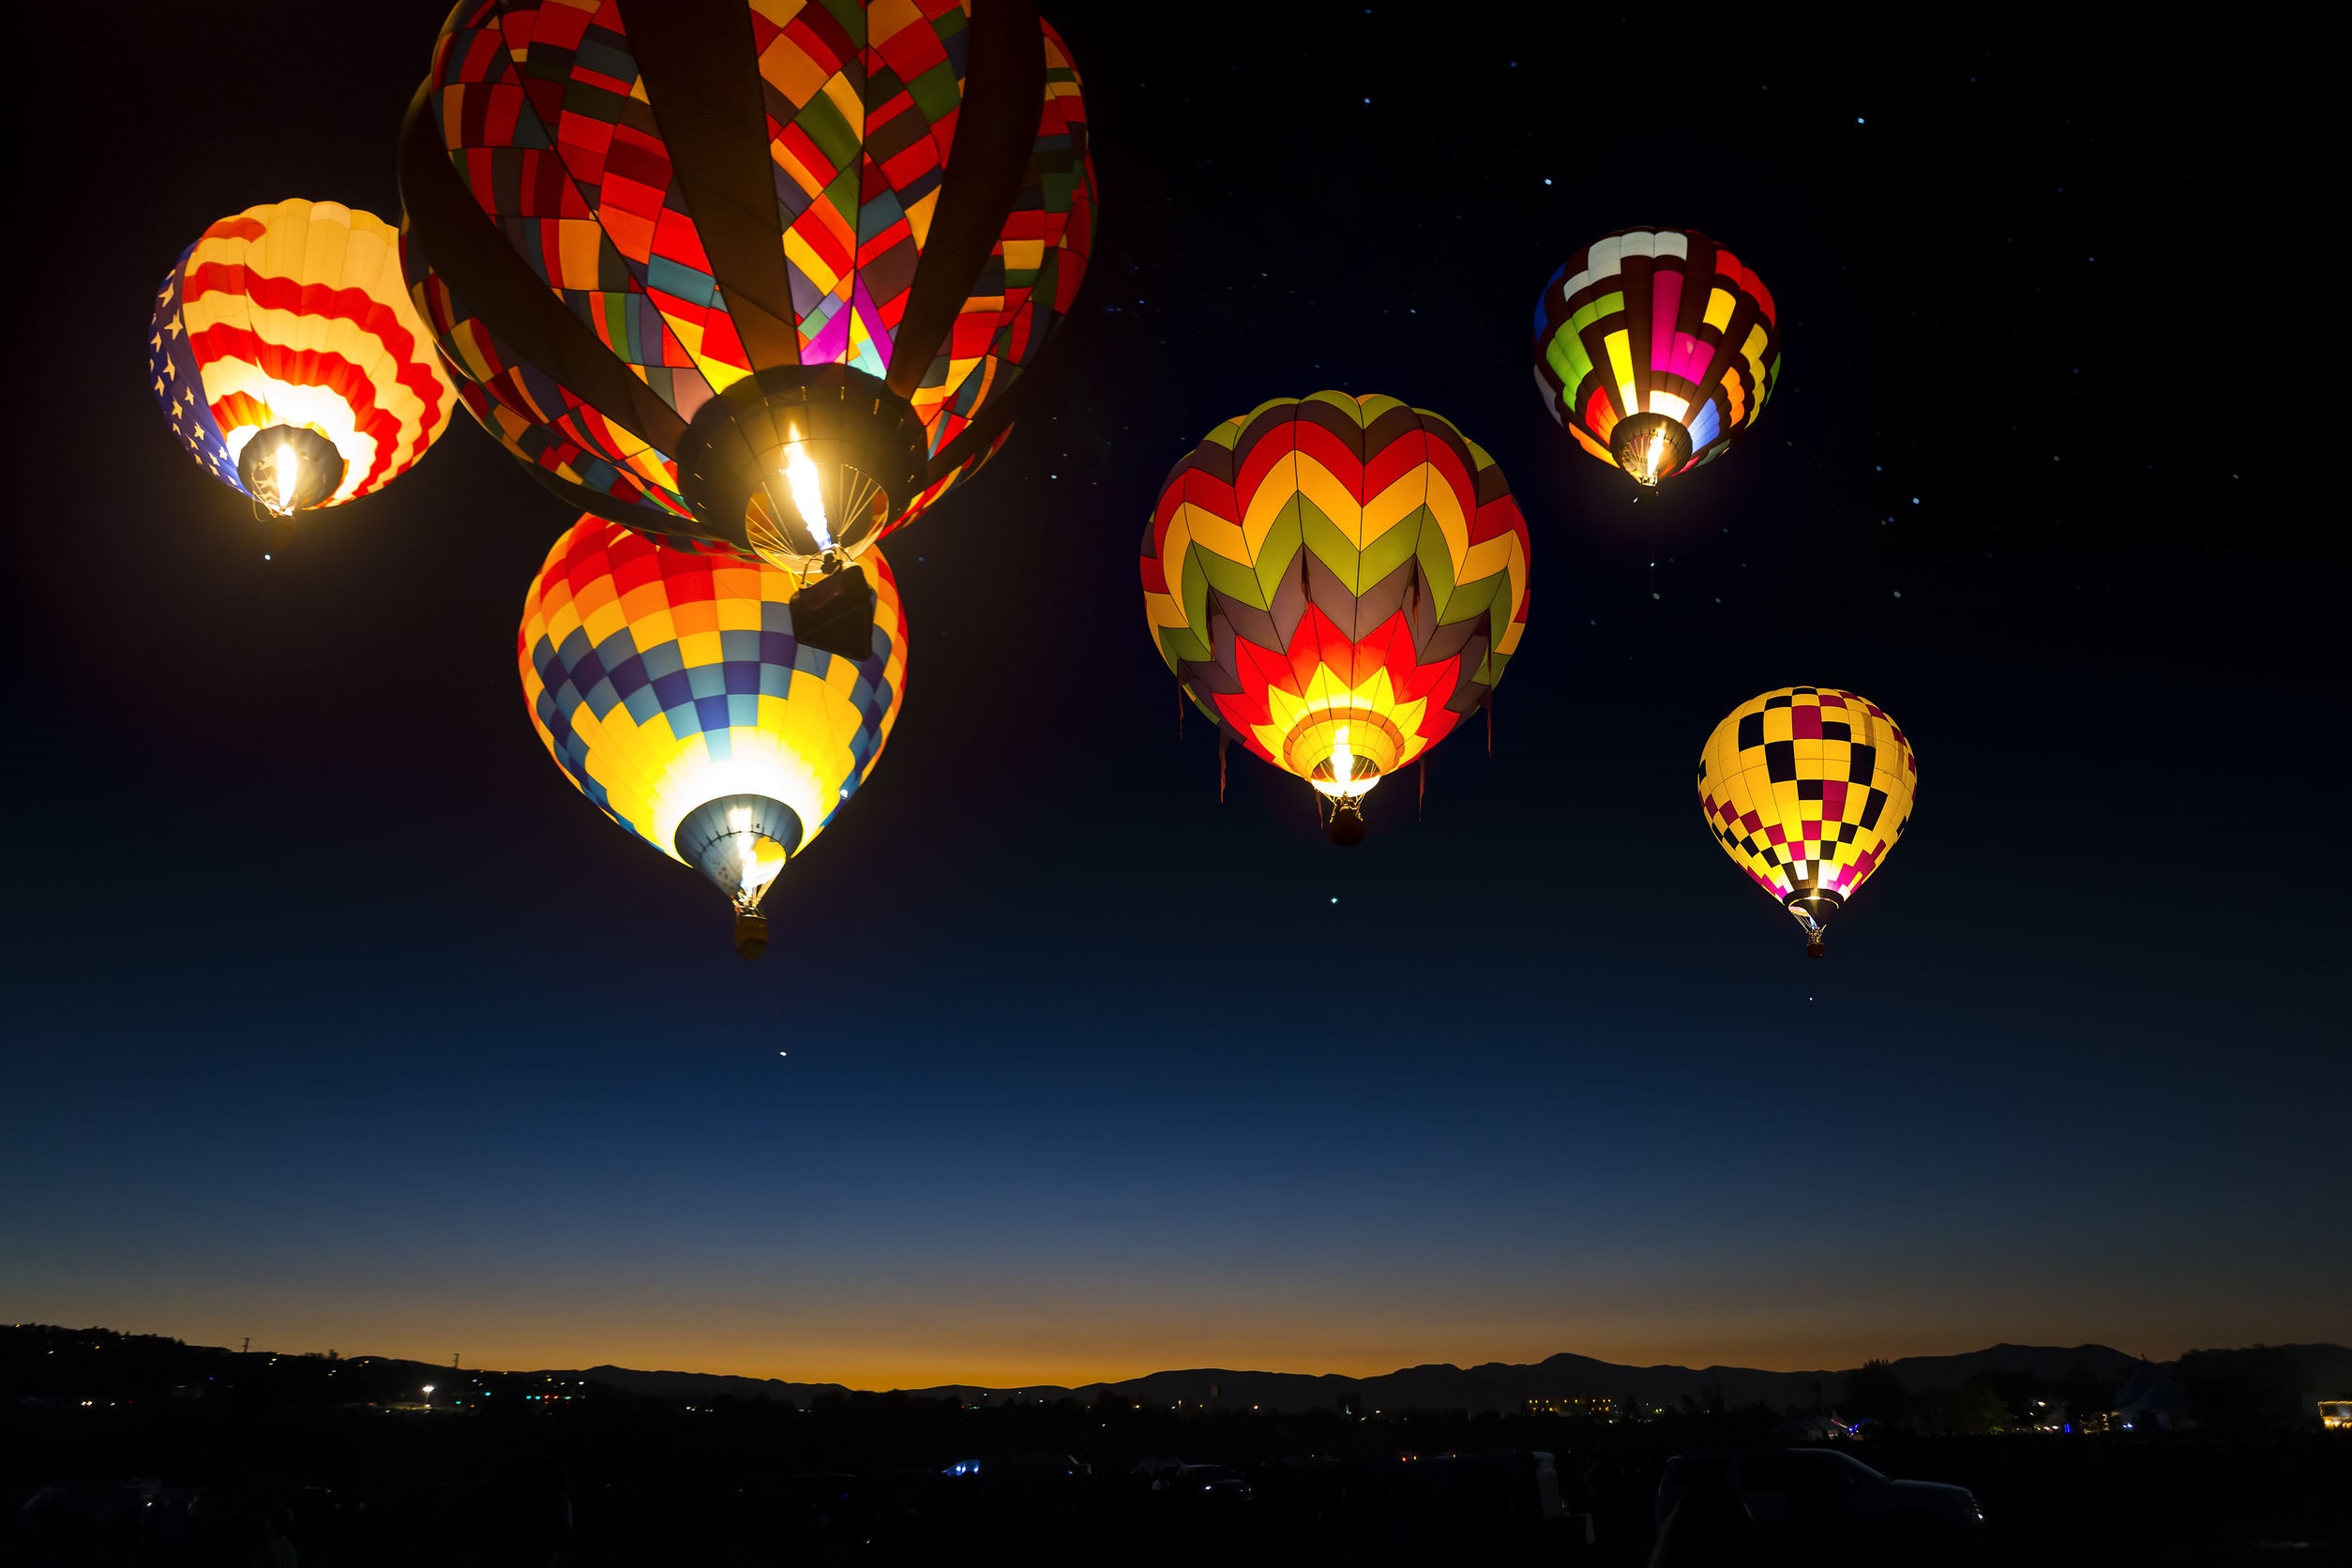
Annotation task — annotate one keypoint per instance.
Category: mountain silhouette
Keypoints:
(1489, 1386)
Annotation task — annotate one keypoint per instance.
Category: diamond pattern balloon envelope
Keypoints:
(670, 688)
(755, 276)
(287, 356)
(1337, 581)
(1655, 348)
(1807, 789)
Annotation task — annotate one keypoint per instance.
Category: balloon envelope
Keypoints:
(1337, 581)
(1807, 789)
(670, 688)
(289, 323)
(641, 230)
(1662, 332)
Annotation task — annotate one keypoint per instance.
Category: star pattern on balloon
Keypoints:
(173, 374)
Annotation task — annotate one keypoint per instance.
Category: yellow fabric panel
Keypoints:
(1621, 351)
(1197, 525)
(1503, 552)
(580, 239)
(1741, 778)
(1753, 352)
(843, 95)
(1330, 496)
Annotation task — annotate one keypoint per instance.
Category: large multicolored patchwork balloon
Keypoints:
(1807, 789)
(752, 275)
(1337, 581)
(289, 359)
(1655, 348)
(669, 688)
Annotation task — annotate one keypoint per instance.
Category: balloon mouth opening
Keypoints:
(1651, 447)
(1343, 752)
(742, 843)
(803, 465)
(290, 469)
(1812, 910)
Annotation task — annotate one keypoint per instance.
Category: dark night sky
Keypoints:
(336, 1017)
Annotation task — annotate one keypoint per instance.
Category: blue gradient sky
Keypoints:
(338, 1018)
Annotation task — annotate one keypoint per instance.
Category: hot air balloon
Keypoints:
(1337, 581)
(1807, 789)
(672, 688)
(753, 277)
(1655, 347)
(287, 355)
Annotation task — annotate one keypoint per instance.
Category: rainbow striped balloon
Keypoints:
(1655, 348)
(291, 322)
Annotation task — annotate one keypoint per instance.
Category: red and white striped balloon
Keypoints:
(295, 316)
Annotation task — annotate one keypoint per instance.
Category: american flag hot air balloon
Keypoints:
(286, 354)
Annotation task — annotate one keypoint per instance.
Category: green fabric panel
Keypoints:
(1321, 534)
(1437, 566)
(1607, 304)
(1278, 551)
(1471, 600)
(1191, 639)
(1192, 592)
(852, 18)
(834, 138)
(1393, 549)
(1234, 579)
(1177, 643)
(936, 92)
(1347, 405)
(1565, 355)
